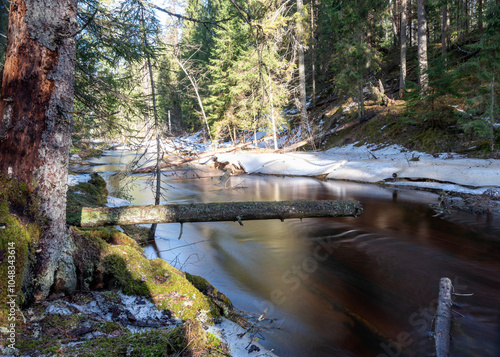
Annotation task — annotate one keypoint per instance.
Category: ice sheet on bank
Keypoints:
(228, 332)
(370, 164)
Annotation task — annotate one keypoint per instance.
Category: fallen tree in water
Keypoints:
(443, 318)
(185, 160)
(213, 212)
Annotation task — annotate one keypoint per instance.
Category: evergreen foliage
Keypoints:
(4, 19)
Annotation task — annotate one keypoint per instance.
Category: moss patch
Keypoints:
(103, 264)
(18, 230)
(139, 234)
(86, 194)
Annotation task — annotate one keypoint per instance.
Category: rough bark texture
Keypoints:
(213, 212)
(35, 129)
(443, 318)
(422, 47)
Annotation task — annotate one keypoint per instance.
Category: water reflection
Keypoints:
(361, 286)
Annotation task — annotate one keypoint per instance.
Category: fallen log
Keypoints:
(185, 160)
(213, 212)
(443, 318)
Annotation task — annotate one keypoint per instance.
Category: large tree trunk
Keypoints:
(214, 212)
(402, 76)
(422, 48)
(35, 110)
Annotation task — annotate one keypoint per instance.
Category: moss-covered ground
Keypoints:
(106, 260)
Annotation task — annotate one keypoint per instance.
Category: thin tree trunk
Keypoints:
(394, 20)
(402, 76)
(273, 120)
(465, 14)
(492, 116)
(313, 57)
(422, 48)
(152, 230)
(361, 96)
(302, 73)
(36, 103)
(216, 212)
(445, 24)
(195, 87)
(480, 16)
(410, 23)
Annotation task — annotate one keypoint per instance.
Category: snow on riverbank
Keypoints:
(393, 165)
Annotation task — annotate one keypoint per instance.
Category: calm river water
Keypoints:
(363, 286)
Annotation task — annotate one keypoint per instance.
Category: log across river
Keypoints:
(343, 286)
(219, 211)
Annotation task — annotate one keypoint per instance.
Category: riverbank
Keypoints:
(448, 174)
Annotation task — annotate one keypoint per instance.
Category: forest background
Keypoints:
(248, 65)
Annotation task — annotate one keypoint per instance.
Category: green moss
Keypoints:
(17, 235)
(155, 343)
(107, 265)
(139, 234)
(86, 194)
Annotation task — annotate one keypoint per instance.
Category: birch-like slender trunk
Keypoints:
(492, 115)
(402, 76)
(302, 73)
(445, 25)
(195, 87)
(422, 48)
(273, 120)
(313, 58)
(480, 15)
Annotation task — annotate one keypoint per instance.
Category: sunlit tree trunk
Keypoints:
(313, 57)
(36, 103)
(445, 25)
(410, 23)
(402, 76)
(480, 15)
(422, 47)
(152, 230)
(302, 73)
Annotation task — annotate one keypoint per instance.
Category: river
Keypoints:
(364, 286)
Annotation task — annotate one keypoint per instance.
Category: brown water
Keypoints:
(362, 286)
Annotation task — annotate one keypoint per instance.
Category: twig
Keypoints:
(180, 233)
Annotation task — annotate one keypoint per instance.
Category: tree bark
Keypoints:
(480, 16)
(35, 130)
(302, 73)
(313, 58)
(195, 87)
(422, 48)
(152, 230)
(443, 318)
(402, 76)
(214, 212)
(445, 26)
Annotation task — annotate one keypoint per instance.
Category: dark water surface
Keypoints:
(363, 286)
